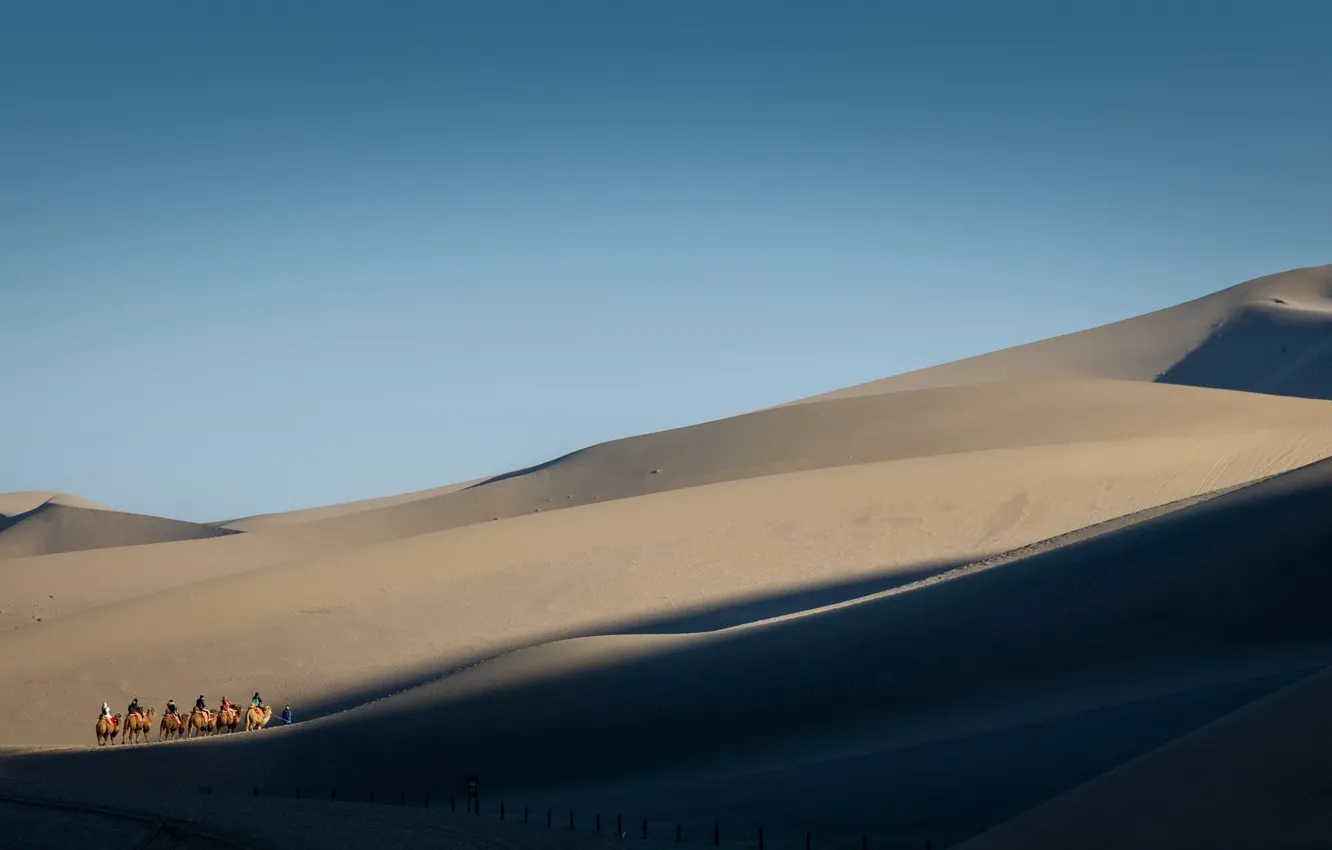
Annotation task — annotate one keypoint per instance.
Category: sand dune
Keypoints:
(45, 524)
(263, 522)
(1254, 778)
(1191, 612)
(26, 501)
(995, 581)
(902, 426)
(1272, 335)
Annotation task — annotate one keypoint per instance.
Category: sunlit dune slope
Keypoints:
(1270, 335)
(1254, 437)
(48, 523)
(263, 522)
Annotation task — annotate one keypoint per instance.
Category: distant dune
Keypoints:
(1268, 335)
(61, 523)
(1060, 588)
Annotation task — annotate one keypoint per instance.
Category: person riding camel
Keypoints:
(227, 705)
(134, 708)
(106, 712)
(254, 701)
(200, 707)
(171, 708)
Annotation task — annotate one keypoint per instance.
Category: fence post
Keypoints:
(524, 814)
(453, 804)
(598, 824)
(677, 833)
(619, 826)
(372, 797)
(256, 790)
(571, 819)
(333, 795)
(298, 792)
(864, 842)
(760, 838)
(427, 801)
(547, 818)
(645, 829)
(807, 839)
(716, 834)
(402, 798)
(501, 810)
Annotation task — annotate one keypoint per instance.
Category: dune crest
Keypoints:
(1235, 339)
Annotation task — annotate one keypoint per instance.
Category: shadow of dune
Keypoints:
(1191, 614)
(1265, 349)
(702, 618)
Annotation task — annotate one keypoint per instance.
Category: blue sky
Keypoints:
(266, 255)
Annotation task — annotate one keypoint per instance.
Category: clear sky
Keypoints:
(261, 255)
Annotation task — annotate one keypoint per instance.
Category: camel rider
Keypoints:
(171, 708)
(200, 707)
(254, 701)
(227, 704)
(106, 712)
(134, 708)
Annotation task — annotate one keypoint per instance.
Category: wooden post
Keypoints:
(453, 804)
(598, 824)
(645, 829)
(501, 810)
(677, 833)
(524, 814)
(864, 842)
(298, 792)
(256, 790)
(760, 838)
(547, 818)
(716, 834)
(402, 798)
(807, 839)
(571, 819)
(619, 826)
(427, 801)
(372, 798)
(333, 795)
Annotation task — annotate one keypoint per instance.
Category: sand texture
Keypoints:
(1072, 587)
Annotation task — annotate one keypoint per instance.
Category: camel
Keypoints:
(201, 723)
(256, 719)
(139, 724)
(229, 719)
(173, 726)
(107, 729)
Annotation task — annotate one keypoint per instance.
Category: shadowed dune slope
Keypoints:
(1223, 593)
(1255, 778)
(1269, 335)
(63, 524)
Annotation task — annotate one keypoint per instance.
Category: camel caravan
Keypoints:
(201, 721)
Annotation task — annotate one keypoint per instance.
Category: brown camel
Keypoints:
(173, 726)
(201, 723)
(139, 724)
(256, 719)
(107, 729)
(229, 719)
